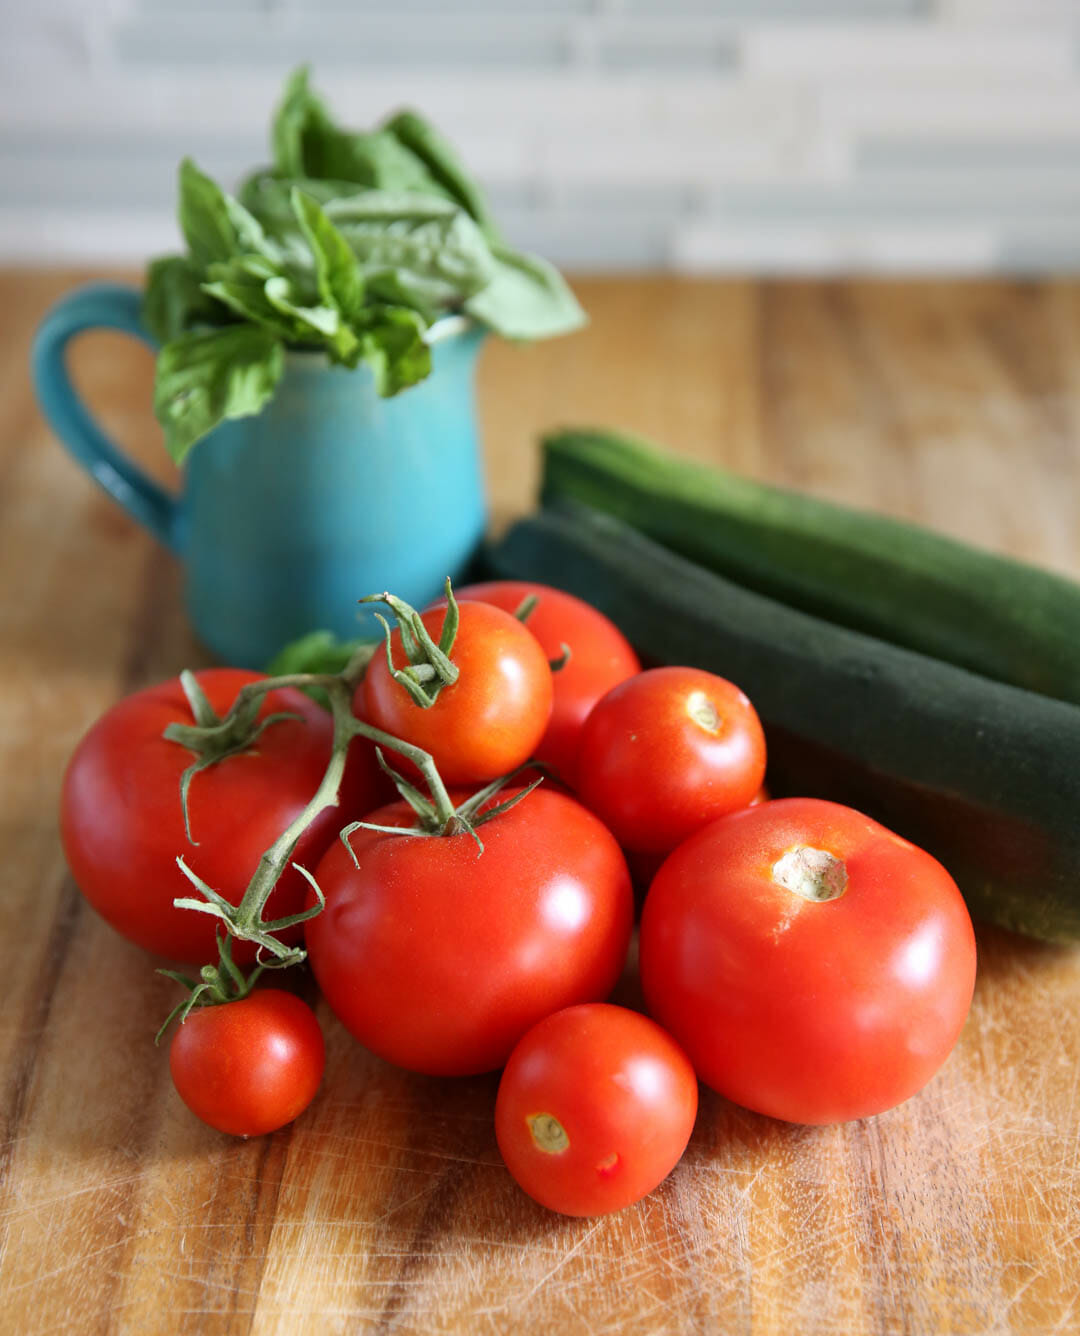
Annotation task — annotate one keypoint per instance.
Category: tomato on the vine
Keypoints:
(665, 752)
(600, 658)
(815, 966)
(594, 1109)
(122, 824)
(439, 957)
(487, 722)
(249, 1066)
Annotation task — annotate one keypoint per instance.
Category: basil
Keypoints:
(352, 244)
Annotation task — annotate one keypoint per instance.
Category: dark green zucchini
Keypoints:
(997, 617)
(986, 776)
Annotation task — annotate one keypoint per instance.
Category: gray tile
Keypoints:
(798, 10)
(961, 197)
(880, 154)
(1034, 254)
(670, 52)
(458, 48)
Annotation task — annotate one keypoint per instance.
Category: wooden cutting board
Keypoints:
(386, 1207)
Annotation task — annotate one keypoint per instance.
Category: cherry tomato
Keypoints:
(595, 1108)
(811, 1010)
(600, 658)
(491, 719)
(665, 752)
(122, 825)
(439, 957)
(250, 1066)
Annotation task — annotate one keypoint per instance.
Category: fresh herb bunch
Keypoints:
(352, 244)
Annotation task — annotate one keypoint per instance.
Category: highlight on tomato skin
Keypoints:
(249, 1066)
(600, 658)
(595, 1108)
(815, 966)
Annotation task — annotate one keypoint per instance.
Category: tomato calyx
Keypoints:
(429, 668)
(812, 874)
(438, 817)
(217, 985)
(548, 1134)
(213, 739)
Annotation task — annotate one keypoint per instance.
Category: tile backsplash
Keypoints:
(699, 135)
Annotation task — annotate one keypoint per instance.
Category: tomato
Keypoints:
(439, 957)
(594, 1109)
(491, 719)
(665, 752)
(250, 1066)
(600, 658)
(811, 1011)
(122, 825)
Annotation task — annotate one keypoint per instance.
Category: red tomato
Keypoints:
(595, 1108)
(439, 957)
(600, 658)
(491, 719)
(122, 825)
(811, 1011)
(250, 1066)
(666, 752)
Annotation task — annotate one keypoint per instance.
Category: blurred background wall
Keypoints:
(808, 135)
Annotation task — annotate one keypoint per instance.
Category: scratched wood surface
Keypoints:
(386, 1206)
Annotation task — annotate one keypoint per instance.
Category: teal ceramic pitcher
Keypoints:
(284, 520)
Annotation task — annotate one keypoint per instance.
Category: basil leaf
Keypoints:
(337, 273)
(394, 287)
(393, 346)
(326, 322)
(527, 299)
(299, 111)
(444, 165)
(429, 244)
(216, 226)
(174, 299)
(307, 142)
(240, 284)
(260, 292)
(205, 377)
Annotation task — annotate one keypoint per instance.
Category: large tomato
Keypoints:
(250, 1066)
(666, 752)
(600, 658)
(439, 957)
(491, 719)
(815, 966)
(595, 1108)
(122, 825)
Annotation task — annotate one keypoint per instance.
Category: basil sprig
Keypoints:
(352, 244)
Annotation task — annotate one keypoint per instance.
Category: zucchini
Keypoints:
(997, 617)
(984, 775)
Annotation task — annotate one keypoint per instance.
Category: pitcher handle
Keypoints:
(99, 306)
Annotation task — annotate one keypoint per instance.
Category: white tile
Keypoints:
(925, 50)
(47, 236)
(943, 106)
(1019, 14)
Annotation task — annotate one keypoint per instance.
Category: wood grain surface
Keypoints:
(386, 1207)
